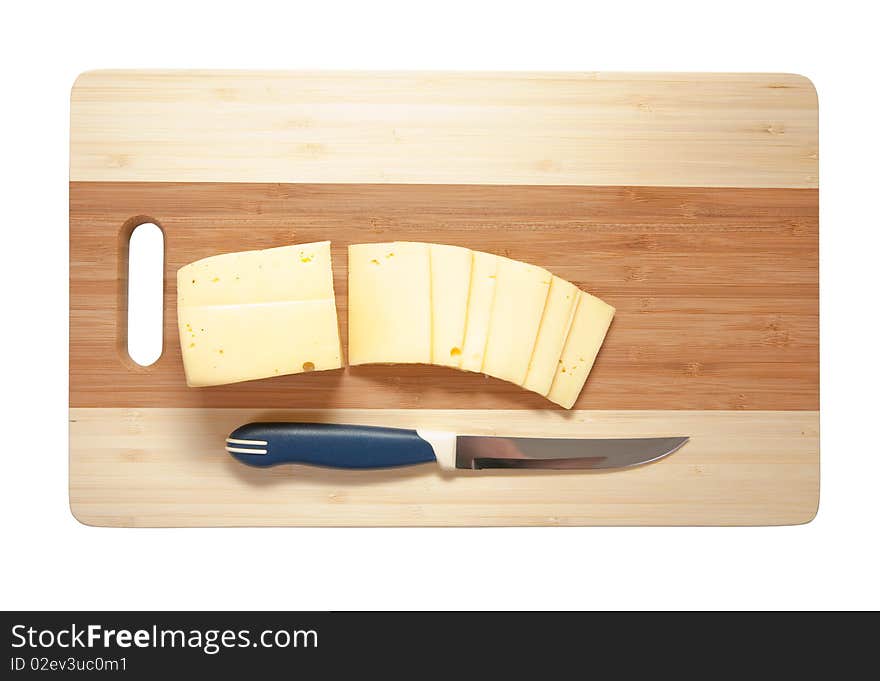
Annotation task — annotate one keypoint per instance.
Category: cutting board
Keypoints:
(687, 201)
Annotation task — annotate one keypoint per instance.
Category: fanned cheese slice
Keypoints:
(555, 324)
(520, 295)
(389, 303)
(480, 299)
(258, 314)
(588, 328)
(450, 284)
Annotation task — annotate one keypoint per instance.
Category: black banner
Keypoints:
(326, 645)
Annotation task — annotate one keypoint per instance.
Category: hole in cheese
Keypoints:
(308, 366)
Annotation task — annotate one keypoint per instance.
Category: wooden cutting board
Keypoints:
(687, 201)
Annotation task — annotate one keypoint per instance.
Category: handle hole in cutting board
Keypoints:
(145, 293)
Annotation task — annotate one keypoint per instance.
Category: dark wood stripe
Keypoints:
(716, 289)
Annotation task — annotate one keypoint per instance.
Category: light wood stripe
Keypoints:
(676, 129)
(168, 467)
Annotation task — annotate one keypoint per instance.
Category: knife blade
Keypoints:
(363, 447)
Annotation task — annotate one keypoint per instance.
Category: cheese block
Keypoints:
(480, 299)
(555, 324)
(389, 303)
(258, 314)
(588, 328)
(520, 295)
(450, 284)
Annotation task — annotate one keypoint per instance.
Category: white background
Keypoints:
(50, 561)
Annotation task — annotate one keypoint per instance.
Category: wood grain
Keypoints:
(688, 201)
(167, 467)
(716, 289)
(655, 129)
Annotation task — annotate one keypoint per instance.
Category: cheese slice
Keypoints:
(300, 272)
(450, 284)
(588, 328)
(482, 295)
(233, 343)
(555, 324)
(258, 314)
(389, 303)
(520, 295)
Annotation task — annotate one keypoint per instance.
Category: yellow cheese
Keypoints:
(450, 283)
(558, 314)
(520, 294)
(588, 328)
(480, 298)
(389, 303)
(300, 272)
(258, 314)
(232, 343)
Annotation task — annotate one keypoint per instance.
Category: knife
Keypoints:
(346, 446)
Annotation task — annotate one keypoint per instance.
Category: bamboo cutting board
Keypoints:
(687, 201)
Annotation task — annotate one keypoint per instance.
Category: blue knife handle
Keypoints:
(327, 444)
